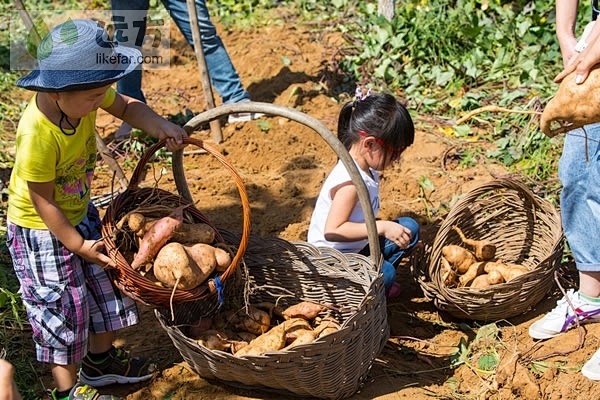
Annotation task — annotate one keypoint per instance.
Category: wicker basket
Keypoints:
(333, 367)
(130, 281)
(525, 229)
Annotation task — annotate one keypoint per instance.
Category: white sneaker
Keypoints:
(562, 317)
(591, 369)
(244, 117)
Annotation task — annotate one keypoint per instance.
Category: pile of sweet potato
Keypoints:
(263, 327)
(475, 267)
(170, 249)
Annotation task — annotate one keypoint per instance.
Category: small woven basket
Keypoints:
(334, 366)
(526, 230)
(130, 281)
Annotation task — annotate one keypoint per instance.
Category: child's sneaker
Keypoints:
(118, 367)
(84, 392)
(562, 318)
(591, 369)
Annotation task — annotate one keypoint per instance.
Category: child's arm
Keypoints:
(42, 198)
(141, 116)
(338, 228)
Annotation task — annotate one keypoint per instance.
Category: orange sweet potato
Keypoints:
(306, 309)
(155, 238)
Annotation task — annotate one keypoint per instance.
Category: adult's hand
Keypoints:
(582, 63)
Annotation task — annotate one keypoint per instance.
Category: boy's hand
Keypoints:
(173, 133)
(93, 251)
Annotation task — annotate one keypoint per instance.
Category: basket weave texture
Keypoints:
(334, 366)
(130, 281)
(526, 230)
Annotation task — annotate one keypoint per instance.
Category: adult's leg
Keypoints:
(129, 17)
(223, 75)
(580, 203)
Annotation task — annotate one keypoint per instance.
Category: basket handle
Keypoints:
(304, 119)
(185, 192)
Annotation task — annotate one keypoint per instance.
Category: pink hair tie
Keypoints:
(359, 93)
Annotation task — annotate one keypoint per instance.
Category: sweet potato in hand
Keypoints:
(573, 106)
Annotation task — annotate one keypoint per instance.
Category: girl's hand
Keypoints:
(173, 133)
(396, 233)
(93, 251)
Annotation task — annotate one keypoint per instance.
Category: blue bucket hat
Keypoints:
(78, 55)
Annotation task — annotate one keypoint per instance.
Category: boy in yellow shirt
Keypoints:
(53, 228)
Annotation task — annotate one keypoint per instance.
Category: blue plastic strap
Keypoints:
(219, 286)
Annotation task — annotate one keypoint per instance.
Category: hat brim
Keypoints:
(70, 80)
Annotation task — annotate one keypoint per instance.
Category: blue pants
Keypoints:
(580, 195)
(223, 76)
(392, 253)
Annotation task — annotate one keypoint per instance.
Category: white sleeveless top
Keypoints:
(338, 176)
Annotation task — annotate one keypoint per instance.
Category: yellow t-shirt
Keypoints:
(44, 154)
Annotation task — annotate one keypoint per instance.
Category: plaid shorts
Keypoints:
(65, 296)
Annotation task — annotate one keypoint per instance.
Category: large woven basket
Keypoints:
(138, 286)
(525, 228)
(333, 367)
(336, 365)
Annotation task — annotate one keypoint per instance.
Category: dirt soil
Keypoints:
(283, 165)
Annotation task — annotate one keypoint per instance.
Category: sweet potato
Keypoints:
(326, 326)
(136, 222)
(155, 238)
(480, 282)
(293, 324)
(474, 270)
(203, 255)
(223, 258)
(301, 336)
(508, 271)
(213, 340)
(186, 233)
(459, 258)
(484, 250)
(272, 340)
(486, 280)
(176, 268)
(254, 320)
(449, 275)
(573, 105)
(495, 277)
(306, 309)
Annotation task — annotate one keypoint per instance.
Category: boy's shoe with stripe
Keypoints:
(84, 392)
(119, 367)
(563, 317)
